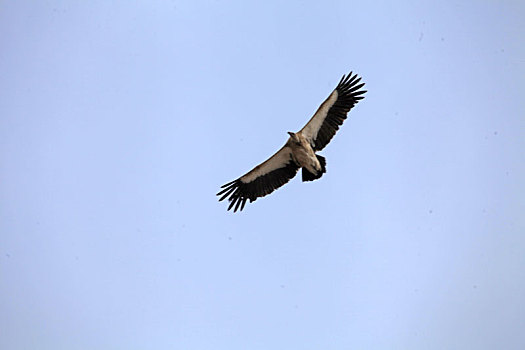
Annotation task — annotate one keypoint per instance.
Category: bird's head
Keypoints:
(293, 136)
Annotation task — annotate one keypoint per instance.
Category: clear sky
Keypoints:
(120, 120)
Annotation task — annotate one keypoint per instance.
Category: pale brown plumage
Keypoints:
(299, 150)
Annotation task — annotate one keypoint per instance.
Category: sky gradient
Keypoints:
(119, 121)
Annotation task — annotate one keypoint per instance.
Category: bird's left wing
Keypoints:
(261, 180)
(331, 114)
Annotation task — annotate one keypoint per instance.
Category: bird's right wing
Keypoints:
(261, 180)
(332, 112)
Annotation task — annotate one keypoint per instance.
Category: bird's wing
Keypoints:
(261, 180)
(332, 112)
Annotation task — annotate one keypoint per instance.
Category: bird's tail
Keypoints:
(308, 176)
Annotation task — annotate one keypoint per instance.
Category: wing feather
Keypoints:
(261, 180)
(331, 114)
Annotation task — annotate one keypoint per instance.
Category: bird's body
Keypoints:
(303, 153)
(299, 150)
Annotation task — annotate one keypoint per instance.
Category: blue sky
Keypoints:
(120, 121)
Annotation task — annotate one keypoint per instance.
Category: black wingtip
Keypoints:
(239, 201)
(229, 183)
(342, 79)
(348, 80)
(232, 203)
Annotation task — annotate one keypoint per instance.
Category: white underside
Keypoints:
(313, 126)
(277, 161)
(307, 160)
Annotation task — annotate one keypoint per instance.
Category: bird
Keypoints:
(299, 150)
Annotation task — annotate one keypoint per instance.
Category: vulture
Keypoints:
(299, 150)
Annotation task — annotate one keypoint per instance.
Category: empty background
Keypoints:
(120, 120)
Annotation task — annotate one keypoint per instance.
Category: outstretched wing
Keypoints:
(331, 114)
(261, 180)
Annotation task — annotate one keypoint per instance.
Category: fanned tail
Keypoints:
(308, 176)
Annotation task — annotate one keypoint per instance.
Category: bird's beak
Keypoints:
(291, 133)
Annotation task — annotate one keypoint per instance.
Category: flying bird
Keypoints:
(299, 150)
